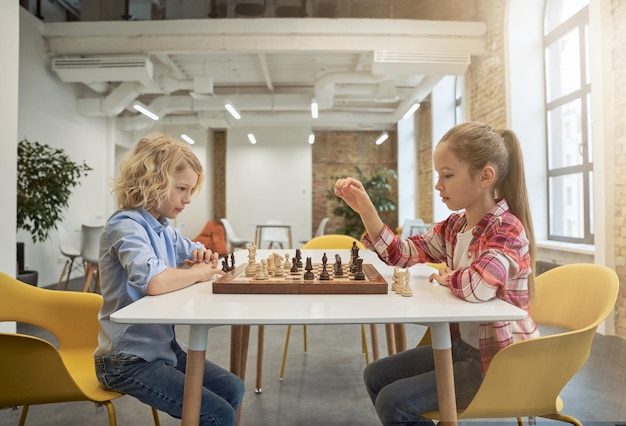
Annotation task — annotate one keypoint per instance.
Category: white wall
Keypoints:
(47, 113)
(9, 14)
(525, 109)
(443, 112)
(408, 198)
(269, 180)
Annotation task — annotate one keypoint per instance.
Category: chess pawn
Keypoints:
(287, 264)
(251, 268)
(270, 265)
(259, 275)
(294, 267)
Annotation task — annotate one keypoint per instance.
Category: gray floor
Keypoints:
(324, 386)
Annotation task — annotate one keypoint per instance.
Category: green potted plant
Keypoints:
(45, 179)
(379, 189)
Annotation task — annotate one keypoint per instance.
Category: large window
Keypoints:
(568, 121)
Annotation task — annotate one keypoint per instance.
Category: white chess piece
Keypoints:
(406, 289)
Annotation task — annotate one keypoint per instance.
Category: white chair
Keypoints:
(276, 236)
(413, 227)
(321, 229)
(232, 238)
(67, 248)
(90, 250)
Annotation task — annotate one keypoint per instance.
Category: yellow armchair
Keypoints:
(33, 370)
(525, 378)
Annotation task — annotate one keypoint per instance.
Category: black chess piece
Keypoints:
(298, 260)
(294, 266)
(308, 275)
(324, 275)
(359, 275)
(225, 265)
(232, 262)
(338, 271)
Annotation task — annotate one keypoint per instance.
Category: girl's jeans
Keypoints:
(161, 386)
(403, 386)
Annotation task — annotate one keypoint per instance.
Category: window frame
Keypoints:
(579, 20)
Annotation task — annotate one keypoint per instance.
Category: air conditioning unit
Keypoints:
(391, 62)
(103, 69)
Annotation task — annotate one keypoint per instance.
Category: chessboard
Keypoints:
(291, 282)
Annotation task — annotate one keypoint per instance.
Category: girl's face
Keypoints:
(180, 196)
(457, 188)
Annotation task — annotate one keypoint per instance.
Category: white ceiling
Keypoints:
(364, 73)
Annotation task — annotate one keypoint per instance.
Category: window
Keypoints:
(458, 99)
(568, 121)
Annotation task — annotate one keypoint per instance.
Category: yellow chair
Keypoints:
(328, 241)
(525, 378)
(32, 370)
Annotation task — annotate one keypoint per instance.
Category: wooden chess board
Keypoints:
(236, 282)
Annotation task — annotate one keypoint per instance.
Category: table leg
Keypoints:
(192, 397)
(374, 333)
(391, 340)
(442, 349)
(399, 331)
(259, 359)
(257, 237)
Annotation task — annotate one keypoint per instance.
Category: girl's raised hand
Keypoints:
(352, 192)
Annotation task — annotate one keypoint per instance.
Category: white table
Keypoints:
(198, 307)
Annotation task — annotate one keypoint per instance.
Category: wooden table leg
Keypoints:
(374, 334)
(259, 359)
(442, 350)
(192, 399)
(194, 374)
(399, 331)
(391, 340)
(235, 349)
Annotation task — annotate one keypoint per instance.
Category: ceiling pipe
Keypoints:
(325, 86)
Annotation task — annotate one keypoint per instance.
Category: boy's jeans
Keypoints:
(161, 386)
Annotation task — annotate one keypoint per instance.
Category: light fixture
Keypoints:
(311, 139)
(382, 138)
(314, 110)
(232, 110)
(251, 138)
(187, 139)
(138, 106)
(411, 110)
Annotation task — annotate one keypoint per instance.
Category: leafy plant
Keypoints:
(45, 178)
(379, 190)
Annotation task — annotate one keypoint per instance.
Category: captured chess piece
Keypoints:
(225, 265)
(406, 289)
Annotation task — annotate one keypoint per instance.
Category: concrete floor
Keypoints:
(324, 386)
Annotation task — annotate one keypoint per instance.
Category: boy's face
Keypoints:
(180, 196)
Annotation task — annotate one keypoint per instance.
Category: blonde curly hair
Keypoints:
(147, 173)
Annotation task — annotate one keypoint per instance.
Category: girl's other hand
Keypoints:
(441, 276)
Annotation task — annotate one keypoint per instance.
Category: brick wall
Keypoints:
(336, 154)
(619, 70)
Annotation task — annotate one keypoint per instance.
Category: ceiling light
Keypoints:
(187, 139)
(314, 110)
(232, 110)
(382, 138)
(251, 138)
(311, 139)
(145, 110)
(411, 110)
